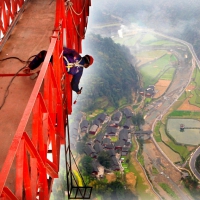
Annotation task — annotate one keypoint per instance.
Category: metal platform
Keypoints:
(30, 35)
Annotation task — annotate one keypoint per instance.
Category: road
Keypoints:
(155, 112)
(192, 163)
(182, 83)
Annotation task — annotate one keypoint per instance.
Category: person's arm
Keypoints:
(75, 81)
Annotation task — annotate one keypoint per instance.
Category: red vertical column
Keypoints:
(83, 19)
(69, 29)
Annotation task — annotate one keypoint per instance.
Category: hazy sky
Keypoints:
(165, 15)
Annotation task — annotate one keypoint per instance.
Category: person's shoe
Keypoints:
(34, 76)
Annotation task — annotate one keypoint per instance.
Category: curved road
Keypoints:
(192, 163)
(180, 82)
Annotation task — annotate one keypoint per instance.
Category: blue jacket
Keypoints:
(72, 57)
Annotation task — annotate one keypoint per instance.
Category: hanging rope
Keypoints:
(10, 82)
(13, 57)
(71, 7)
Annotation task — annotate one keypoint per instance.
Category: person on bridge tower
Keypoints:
(73, 61)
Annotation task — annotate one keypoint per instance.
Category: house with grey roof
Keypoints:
(89, 151)
(84, 125)
(123, 135)
(93, 129)
(111, 131)
(142, 91)
(101, 117)
(119, 144)
(151, 87)
(98, 147)
(94, 168)
(99, 137)
(127, 112)
(125, 150)
(149, 92)
(127, 123)
(114, 164)
(106, 141)
(96, 122)
(109, 146)
(128, 143)
(117, 116)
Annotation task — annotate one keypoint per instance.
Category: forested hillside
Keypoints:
(111, 78)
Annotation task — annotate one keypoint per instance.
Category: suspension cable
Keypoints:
(81, 36)
(69, 5)
(81, 10)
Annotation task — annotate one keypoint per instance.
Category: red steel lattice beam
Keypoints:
(47, 110)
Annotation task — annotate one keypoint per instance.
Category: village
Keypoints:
(112, 134)
(102, 131)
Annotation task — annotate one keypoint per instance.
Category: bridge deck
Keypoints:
(30, 35)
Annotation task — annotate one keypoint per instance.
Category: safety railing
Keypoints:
(29, 149)
(33, 157)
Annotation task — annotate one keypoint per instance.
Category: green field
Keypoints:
(168, 75)
(184, 114)
(153, 71)
(195, 99)
(157, 134)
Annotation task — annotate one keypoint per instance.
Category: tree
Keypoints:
(113, 77)
(101, 188)
(138, 120)
(139, 98)
(119, 192)
(104, 159)
(86, 165)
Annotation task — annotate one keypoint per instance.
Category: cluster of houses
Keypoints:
(103, 137)
(149, 92)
